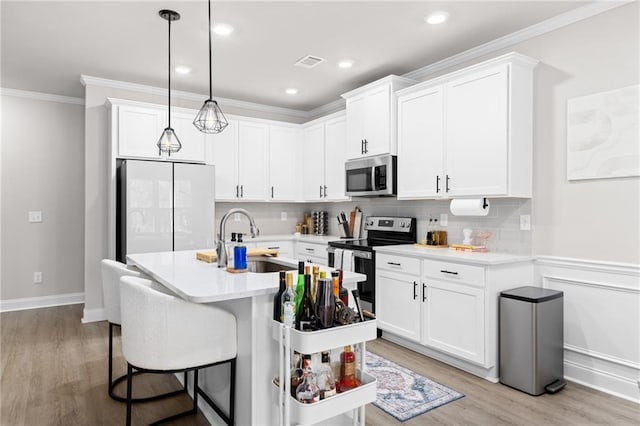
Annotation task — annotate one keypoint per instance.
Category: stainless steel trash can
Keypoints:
(531, 340)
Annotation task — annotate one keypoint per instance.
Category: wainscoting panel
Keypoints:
(601, 321)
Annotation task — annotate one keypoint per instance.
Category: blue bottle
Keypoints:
(240, 255)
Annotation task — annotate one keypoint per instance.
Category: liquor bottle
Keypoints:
(348, 379)
(306, 315)
(288, 302)
(277, 302)
(323, 274)
(344, 294)
(300, 284)
(307, 391)
(314, 281)
(325, 379)
(240, 255)
(325, 303)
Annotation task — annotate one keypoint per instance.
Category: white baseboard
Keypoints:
(601, 328)
(93, 315)
(41, 302)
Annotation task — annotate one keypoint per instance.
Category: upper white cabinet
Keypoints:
(136, 128)
(323, 157)
(240, 157)
(371, 117)
(283, 151)
(468, 133)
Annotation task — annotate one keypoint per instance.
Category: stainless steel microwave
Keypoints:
(371, 176)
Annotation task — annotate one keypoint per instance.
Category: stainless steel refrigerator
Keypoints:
(163, 206)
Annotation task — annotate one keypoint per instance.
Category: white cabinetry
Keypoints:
(323, 158)
(313, 252)
(371, 117)
(240, 157)
(283, 152)
(137, 126)
(445, 309)
(468, 133)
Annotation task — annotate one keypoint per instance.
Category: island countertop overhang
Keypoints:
(202, 282)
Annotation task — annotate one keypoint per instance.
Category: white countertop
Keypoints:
(487, 258)
(202, 282)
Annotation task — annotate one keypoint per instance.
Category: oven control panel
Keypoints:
(388, 223)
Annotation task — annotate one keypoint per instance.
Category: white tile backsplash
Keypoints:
(503, 220)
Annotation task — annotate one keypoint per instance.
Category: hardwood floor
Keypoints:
(54, 372)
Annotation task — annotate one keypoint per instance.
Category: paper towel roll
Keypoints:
(470, 207)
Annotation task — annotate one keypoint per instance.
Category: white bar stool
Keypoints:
(112, 271)
(162, 333)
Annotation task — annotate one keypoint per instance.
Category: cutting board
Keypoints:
(210, 256)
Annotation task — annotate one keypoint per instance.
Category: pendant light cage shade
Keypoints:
(210, 119)
(168, 142)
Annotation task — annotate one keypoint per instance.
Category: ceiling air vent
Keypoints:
(308, 61)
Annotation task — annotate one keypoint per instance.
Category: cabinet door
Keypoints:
(477, 133)
(453, 319)
(398, 304)
(377, 121)
(283, 145)
(313, 163)
(193, 206)
(252, 160)
(335, 157)
(420, 144)
(139, 130)
(192, 140)
(225, 158)
(355, 127)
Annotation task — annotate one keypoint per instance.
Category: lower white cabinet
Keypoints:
(446, 306)
(397, 306)
(313, 252)
(454, 319)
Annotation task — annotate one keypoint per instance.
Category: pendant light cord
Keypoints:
(210, 63)
(169, 20)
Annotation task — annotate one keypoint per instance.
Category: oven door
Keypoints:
(363, 263)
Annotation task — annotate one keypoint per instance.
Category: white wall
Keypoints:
(42, 169)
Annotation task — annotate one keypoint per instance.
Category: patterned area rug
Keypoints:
(403, 393)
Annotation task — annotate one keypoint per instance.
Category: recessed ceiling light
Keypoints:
(346, 63)
(291, 91)
(437, 18)
(222, 29)
(183, 69)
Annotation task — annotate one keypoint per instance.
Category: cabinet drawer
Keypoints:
(458, 272)
(405, 265)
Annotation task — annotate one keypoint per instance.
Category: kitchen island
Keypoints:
(249, 296)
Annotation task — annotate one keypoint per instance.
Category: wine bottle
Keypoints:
(348, 379)
(300, 285)
(325, 379)
(306, 315)
(314, 281)
(288, 302)
(325, 303)
(277, 302)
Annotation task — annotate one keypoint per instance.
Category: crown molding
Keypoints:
(337, 105)
(41, 96)
(519, 36)
(87, 80)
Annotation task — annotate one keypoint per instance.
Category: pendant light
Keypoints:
(169, 142)
(210, 119)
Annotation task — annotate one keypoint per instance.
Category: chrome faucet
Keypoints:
(221, 250)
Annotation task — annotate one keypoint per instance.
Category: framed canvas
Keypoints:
(602, 135)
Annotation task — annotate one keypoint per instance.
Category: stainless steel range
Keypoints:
(381, 231)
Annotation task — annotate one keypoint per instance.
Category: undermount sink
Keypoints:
(267, 265)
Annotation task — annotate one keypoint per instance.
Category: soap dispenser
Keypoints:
(240, 255)
(230, 247)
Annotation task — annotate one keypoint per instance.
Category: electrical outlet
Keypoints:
(236, 217)
(35, 216)
(525, 222)
(283, 216)
(37, 277)
(444, 219)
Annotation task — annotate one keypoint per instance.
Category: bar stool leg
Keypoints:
(232, 393)
(129, 392)
(195, 391)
